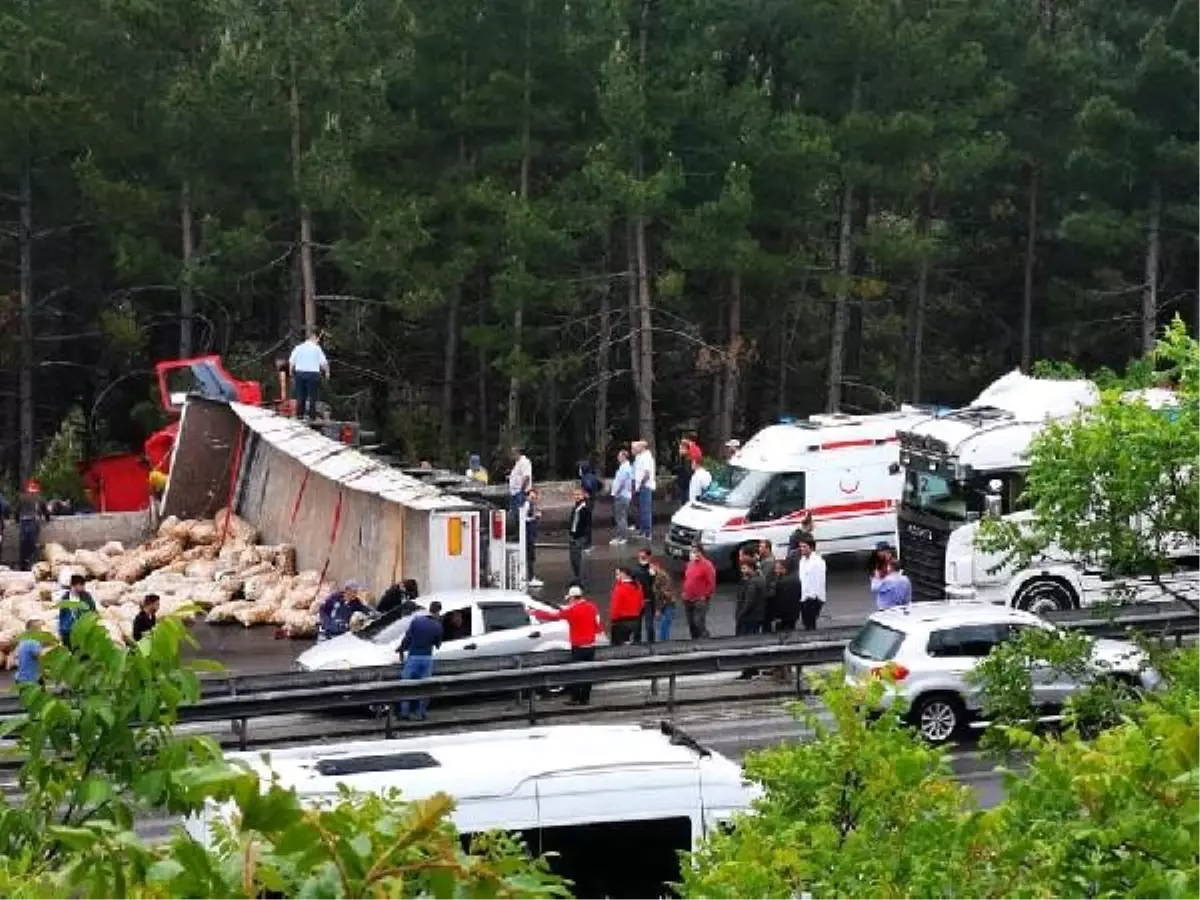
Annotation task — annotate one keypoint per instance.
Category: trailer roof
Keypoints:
(343, 464)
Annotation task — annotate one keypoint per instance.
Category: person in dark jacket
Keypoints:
(76, 603)
(339, 608)
(591, 484)
(29, 515)
(147, 617)
(399, 597)
(424, 635)
(579, 533)
(751, 606)
(643, 574)
(787, 597)
(766, 566)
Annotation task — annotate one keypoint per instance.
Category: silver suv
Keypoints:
(929, 649)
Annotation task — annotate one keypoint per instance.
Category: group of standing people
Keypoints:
(774, 594)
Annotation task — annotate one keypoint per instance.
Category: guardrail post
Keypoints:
(532, 706)
(671, 694)
(389, 722)
(799, 680)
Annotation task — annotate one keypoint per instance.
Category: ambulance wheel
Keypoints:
(1043, 595)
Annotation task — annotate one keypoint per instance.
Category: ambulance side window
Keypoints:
(787, 495)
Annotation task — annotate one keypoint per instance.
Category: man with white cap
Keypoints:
(339, 608)
(583, 626)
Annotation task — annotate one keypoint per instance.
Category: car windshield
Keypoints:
(735, 486)
(876, 642)
(386, 629)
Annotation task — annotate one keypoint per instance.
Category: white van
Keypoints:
(842, 470)
(615, 803)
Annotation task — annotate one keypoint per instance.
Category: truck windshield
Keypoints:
(735, 486)
(958, 500)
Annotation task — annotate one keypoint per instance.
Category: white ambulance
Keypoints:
(843, 470)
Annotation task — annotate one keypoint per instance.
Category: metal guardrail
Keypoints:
(250, 697)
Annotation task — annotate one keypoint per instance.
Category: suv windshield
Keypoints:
(959, 500)
(735, 486)
(876, 642)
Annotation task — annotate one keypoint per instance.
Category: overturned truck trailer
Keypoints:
(348, 515)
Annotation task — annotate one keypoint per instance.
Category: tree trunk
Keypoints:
(631, 283)
(603, 367)
(645, 392)
(782, 374)
(1150, 287)
(308, 285)
(845, 249)
(514, 381)
(485, 434)
(841, 308)
(449, 376)
(918, 324)
(187, 300)
(729, 392)
(1030, 264)
(25, 290)
(552, 424)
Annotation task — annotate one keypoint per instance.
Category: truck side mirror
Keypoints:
(993, 502)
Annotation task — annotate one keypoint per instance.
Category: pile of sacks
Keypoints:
(197, 567)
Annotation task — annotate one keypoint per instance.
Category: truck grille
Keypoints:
(681, 535)
(923, 542)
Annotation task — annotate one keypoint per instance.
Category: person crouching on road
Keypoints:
(424, 635)
(338, 608)
(892, 587)
(811, 571)
(625, 607)
(583, 626)
(699, 585)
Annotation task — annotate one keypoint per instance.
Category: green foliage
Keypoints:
(865, 810)
(58, 472)
(100, 750)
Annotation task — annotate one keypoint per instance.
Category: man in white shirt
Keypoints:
(622, 496)
(520, 478)
(701, 479)
(644, 486)
(810, 569)
(307, 364)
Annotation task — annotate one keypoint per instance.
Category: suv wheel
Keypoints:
(938, 717)
(1046, 595)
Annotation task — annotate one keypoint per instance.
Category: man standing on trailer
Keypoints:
(308, 365)
(31, 512)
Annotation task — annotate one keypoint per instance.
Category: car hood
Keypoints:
(703, 516)
(1114, 655)
(346, 651)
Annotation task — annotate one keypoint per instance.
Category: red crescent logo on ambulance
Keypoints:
(848, 487)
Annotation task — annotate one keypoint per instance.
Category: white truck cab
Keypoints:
(971, 463)
(614, 804)
(842, 470)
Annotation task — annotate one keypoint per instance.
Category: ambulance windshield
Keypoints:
(735, 486)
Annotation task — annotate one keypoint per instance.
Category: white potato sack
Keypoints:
(234, 528)
(256, 614)
(42, 571)
(202, 533)
(108, 593)
(223, 613)
(256, 586)
(202, 569)
(56, 554)
(16, 583)
(112, 548)
(298, 624)
(95, 565)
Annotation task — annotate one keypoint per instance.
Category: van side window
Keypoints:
(617, 859)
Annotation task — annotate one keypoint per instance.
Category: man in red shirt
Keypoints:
(625, 607)
(699, 585)
(583, 625)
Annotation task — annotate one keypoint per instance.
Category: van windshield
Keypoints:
(735, 486)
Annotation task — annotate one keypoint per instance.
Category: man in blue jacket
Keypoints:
(339, 608)
(424, 635)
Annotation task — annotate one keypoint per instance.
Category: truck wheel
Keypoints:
(938, 717)
(1045, 595)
